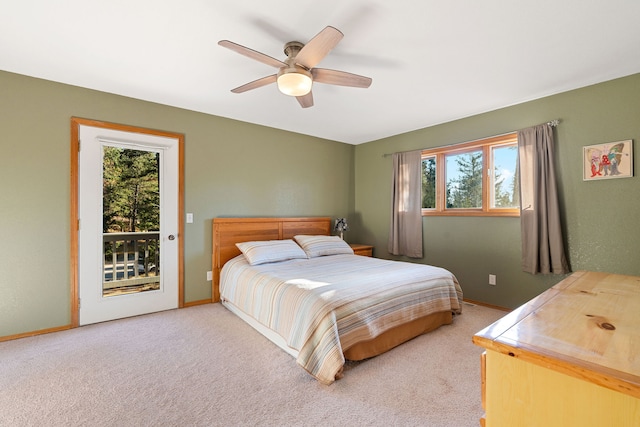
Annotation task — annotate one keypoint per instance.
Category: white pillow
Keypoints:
(262, 252)
(316, 246)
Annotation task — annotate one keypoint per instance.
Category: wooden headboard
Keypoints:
(229, 231)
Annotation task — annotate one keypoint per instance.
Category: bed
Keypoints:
(308, 293)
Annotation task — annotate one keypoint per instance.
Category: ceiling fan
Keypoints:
(298, 72)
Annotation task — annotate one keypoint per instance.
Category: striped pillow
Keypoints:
(262, 252)
(316, 246)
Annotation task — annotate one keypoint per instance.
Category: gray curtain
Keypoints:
(405, 233)
(542, 242)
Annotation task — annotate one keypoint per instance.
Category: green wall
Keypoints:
(231, 169)
(237, 169)
(599, 217)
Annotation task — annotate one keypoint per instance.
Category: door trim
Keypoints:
(74, 212)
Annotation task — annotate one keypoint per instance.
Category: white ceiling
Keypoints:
(432, 61)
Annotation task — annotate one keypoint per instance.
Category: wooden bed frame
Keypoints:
(229, 231)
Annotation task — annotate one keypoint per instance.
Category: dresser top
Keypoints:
(588, 325)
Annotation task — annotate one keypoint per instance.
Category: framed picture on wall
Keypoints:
(607, 161)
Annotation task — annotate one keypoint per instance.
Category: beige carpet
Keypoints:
(202, 366)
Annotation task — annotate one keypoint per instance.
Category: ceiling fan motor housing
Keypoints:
(294, 79)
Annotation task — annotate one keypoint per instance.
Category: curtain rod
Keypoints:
(552, 123)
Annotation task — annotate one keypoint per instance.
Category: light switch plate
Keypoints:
(189, 218)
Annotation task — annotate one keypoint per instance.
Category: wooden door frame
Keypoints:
(75, 181)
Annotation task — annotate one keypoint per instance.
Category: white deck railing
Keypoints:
(130, 259)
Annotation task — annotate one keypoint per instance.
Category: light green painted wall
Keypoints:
(231, 169)
(599, 217)
(234, 169)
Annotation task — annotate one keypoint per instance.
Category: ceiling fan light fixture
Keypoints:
(295, 83)
(298, 72)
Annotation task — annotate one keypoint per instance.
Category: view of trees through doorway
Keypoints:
(131, 220)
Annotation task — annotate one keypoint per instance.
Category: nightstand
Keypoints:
(364, 250)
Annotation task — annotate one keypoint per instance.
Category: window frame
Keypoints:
(485, 145)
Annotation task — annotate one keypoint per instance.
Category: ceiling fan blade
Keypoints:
(318, 47)
(256, 84)
(305, 101)
(340, 78)
(253, 54)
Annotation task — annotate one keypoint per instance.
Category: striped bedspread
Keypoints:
(322, 306)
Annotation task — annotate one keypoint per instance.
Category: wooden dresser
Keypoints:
(569, 357)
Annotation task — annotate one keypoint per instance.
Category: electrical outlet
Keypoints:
(492, 279)
(209, 276)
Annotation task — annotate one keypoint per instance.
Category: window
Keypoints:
(472, 179)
